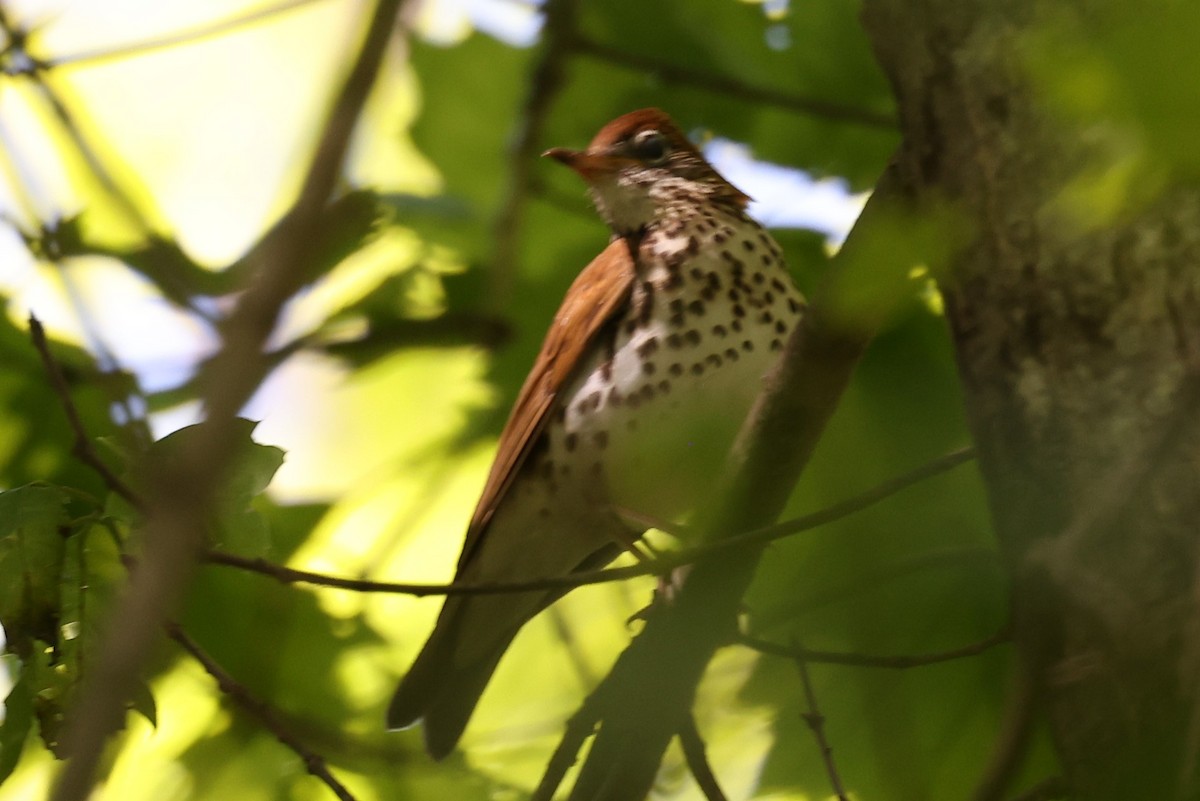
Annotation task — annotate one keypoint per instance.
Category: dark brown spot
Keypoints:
(734, 296)
(544, 513)
(696, 308)
(776, 344)
(758, 278)
(648, 347)
(647, 392)
(648, 368)
(698, 368)
(675, 320)
(769, 297)
(747, 345)
(793, 305)
(593, 400)
(601, 439)
(707, 294)
(720, 238)
(736, 325)
(569, 442)
(766, 317)
(676, 305)
(731, 354)
(738, 311)
(674, 280)
(631, 326)
(675, 369)
(614, 397)
(748, 245)
(664, 386)
(645, 303)
(766, 260)
(696, 273)
(714, 359)
(606, 370)
(778, 286)
(693, 246)
(763, 239)
(714, 280)
(674, 341)
(719, 330)
(692, 337)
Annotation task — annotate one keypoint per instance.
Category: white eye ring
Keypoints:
(650, 147)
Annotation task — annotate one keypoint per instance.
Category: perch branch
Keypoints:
(660, 565)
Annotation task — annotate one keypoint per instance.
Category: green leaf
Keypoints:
(31, 555)
(239, 527)
(18, 717)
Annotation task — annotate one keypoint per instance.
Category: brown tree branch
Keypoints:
(816, 724)
(116, 52)
(179, 495)
(697, 760)
(83, 450)
(660, 565)
(262, 712)
(724, 84)
(902, 662)
(545, 84)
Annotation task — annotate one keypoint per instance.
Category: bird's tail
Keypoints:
(441, 689)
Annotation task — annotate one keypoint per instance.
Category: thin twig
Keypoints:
(579, 727)
(902, 662)
(179, 495)
(724, 84)
(697, 760)
(259, 710)
(545, 84)
(660, 565)
(83, 449)
(1013, 737)
(172, 39)
(816, 723)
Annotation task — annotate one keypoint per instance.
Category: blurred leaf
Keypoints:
(31, 556)
(240, 528)
(18, 718)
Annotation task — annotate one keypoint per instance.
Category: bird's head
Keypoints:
(640, 165)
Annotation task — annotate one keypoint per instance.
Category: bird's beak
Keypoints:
(588, 165)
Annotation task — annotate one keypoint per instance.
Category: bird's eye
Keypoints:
(650, 147)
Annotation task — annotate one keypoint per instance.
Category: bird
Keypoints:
(649, 368)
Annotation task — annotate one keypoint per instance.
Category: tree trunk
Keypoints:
(1078, 342)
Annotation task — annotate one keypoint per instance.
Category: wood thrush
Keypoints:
(649, 368)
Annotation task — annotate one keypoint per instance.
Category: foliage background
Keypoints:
(388, 435)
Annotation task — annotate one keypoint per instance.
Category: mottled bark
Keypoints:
(1079, 349)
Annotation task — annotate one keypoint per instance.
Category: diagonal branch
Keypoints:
(172, 39)
(314, 763)
(83, 449)
(816, 723)
(725, 84)
(697, 760)
(179, 496)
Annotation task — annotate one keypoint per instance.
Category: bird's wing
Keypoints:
(595, 296)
